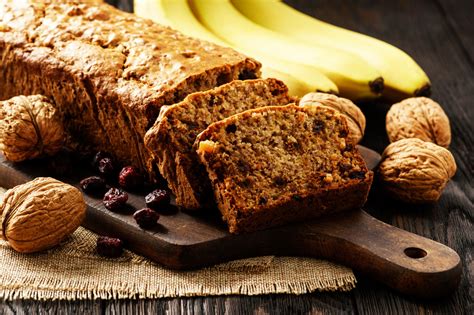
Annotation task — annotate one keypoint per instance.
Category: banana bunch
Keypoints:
(177, 14)
(305, 53)
(402, 75)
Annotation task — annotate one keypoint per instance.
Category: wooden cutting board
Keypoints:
(407, 262)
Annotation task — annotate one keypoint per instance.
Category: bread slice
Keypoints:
(108, 72)
(171, 138)
(282, 164)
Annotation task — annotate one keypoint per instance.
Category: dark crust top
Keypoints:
(134, 58)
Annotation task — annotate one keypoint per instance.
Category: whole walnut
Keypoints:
(29, 128)
(40, 214)
(354, 116)
(416, 171)
(418, 117)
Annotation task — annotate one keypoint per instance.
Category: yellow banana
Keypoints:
(311, 79)
(402, 75)
(354, 77)
(177, 14)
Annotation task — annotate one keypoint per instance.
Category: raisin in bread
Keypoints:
(282, 164)
(107, 71)
(171, 138)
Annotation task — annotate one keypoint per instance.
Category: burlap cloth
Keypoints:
(74, 271)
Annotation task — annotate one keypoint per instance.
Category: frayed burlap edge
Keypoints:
(39, 290)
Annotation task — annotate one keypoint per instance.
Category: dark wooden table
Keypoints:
(439, 34)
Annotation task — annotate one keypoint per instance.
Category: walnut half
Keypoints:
(416, 171)
(418, 117)
(40, 214)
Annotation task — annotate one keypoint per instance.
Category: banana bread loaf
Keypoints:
(171, 138)
(107, 71)
(281, 164)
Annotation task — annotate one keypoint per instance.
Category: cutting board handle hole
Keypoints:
(415, 252)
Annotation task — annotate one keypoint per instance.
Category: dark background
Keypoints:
(439, 34)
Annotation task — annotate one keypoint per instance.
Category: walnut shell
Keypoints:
(40, 214)
(416, 171)
(418, 117)
(29, 128)
(354, 116)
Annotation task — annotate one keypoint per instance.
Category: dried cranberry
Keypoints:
(280, 181)
(109, 246)
(99, 156)
(318, 126)
(158, 198)
(115, 199)
(107, 167)
(146, 218)
(343, 133)
(357, 175)
(232, 128)
(130, 178)
(93, 185)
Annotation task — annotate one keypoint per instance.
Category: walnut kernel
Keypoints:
(354, 116)
(418, 117)
(416, 171)
(29, 128)
(40, 214)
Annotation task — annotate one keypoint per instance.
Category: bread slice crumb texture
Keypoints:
(171, 139)
(267, 158)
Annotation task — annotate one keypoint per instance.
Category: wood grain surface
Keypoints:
(438, 34)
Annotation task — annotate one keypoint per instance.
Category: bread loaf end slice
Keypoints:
(282, 164)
